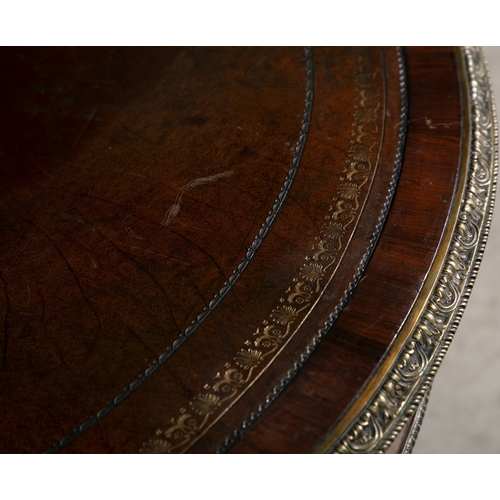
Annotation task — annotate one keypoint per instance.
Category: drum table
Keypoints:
(235, 250)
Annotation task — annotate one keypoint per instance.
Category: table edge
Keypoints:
(394, 392)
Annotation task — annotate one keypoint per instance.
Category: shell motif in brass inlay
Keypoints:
(408, 381)
(340, 221)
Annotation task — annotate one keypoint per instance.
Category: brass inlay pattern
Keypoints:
(405, 377)
(305, 289)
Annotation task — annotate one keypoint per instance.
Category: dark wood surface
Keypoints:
(133, 184)
(356, 343)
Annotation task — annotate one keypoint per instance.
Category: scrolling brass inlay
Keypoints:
(306, 287)
(230, 440)
(412, 368)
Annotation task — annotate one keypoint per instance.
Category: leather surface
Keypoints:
(136, 182)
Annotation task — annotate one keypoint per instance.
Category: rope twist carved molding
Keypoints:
(230, 440)
(410, 378)
(299, 296)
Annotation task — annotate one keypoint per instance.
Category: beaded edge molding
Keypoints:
(407, 383)
(416, 424)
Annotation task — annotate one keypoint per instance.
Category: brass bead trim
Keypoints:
(401, 382)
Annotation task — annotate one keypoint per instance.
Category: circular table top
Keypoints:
(235, 249)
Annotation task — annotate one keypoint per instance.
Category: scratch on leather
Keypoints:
(173, 211)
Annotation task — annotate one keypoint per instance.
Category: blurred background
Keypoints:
(463, 414)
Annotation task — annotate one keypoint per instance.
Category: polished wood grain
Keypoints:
(132, 184)
(350, 352)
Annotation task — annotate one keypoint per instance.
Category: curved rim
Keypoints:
(402, 380)
(277, 389)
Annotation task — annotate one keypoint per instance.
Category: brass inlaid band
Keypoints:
(305, 289)
(402, 380)
(255, 415)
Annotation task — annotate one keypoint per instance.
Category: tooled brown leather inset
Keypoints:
(156, 172)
